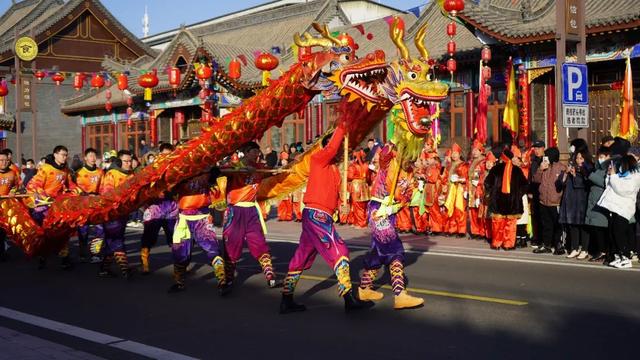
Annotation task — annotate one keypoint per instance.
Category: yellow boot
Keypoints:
(369, 294)
(406, 301)
(144, 259)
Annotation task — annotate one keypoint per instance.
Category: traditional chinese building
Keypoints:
(72, 36)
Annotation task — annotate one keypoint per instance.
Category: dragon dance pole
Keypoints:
(345, 169)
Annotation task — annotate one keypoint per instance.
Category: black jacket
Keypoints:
(505, 204)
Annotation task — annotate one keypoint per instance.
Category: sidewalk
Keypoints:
(19, 346)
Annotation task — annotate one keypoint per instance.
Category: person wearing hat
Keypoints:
(490, 161)
(432, 190)
(88, 179)
(505, 185)
(547, 174)
(403, 191)
(419, 217)
(358, 190)
(457, 176)
(475, 189)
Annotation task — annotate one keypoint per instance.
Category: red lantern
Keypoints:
(203, 94)
(148, 81)
(451, 29)
(451, 47)
(204, 72)
(4, 89)
(107, 94)
(485, 54)
(235, 69)
(303, 52)
(129, 112)
(129, 122)
(453, 6)
(97, 81)
(486, 73)
(267, 62)
(123, 82)
(78, 81)
(40, 74)
(108, 106)
(346, 40)
(174, 77)
(179, 117)
(58, 78)
(451, 65)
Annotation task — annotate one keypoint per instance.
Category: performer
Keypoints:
(88, 179)
(297, 204)
(196, 224)
(432, 190)
(52, 180)
(522, 228)
(475, 189)
(419, 213)
(285, 209)
(386, 246)
(161, 214)
(358, 190)
(114, 230)
(8, 186)
(319, 235)
(243, 218)
(483, 208)
(505, 184)
(15, 168)
(403, 190)
(457, 173)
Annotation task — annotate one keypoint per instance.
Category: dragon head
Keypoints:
(414, 95)
(319, 66)
(362, 79)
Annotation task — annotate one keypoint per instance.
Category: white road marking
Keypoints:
(482, 257)
(93, 336)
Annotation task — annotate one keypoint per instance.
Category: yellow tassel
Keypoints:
(147, 94)
(266, 75)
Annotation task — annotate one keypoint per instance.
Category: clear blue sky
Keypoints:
(169, 14)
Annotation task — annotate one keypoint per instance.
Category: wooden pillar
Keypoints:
(469, 113)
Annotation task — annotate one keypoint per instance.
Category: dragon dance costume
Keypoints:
(457, 173)
(243, 221)
(476, 190)
(114, 230)
(195, 224)
(9, 182)
(358, 190)
(88, 180)
(161, 214)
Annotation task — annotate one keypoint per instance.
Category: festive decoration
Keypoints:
(148, 81)
(303, 53)
(58, 78)
(486, 72)
(78, 81)
(178, 117)
(203, 73)
(203, 93)
(129, 112)
(451, 29)
(485, 54)
(510, 115)
(452, 65)
(453, 6)
(97, 81)
(523, 104)
(481, 113)
(451, 47)
(129, 101)
(39, 74)
(266, 62)
(235, 69)
(625, 124)
(4, 89)
(108, 106)
(174, 77)
(123, 82)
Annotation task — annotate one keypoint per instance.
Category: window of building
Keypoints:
(100, 137)
(130, 136)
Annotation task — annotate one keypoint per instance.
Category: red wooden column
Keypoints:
(552, 136)
(469, 114)
(319, 119)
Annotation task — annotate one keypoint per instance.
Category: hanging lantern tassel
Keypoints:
(266, 76)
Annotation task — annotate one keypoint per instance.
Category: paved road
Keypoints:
(480, 303)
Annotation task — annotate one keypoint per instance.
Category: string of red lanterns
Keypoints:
(453, 7)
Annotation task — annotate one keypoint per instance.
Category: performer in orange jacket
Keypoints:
(88, 179)
(114, 230)
(419, 212)
(358, 190)
(475, 189)
(297, 204)
(457, 173)
(432, 190)
(285, 207)
(52, 180)
(9, 181)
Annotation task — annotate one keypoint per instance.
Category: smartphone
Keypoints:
(545, 159)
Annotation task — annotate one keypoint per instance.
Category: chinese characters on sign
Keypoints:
(575, 116)
(25, 94)
(571, 18)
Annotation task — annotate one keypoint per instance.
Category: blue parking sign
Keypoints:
(575, 84)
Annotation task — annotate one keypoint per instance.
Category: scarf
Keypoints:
(506, 175)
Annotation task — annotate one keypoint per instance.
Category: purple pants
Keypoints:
(84, 232)
(39, 213)
(243, 223)
(114, 236)
(319, 236)
(386, 245)
(161, 215)
(203, 232)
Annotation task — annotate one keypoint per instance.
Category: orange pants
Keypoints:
(487, 228)
(457, 223)
(477, 223)
(285, 210)
(436, 219)
(403, 219)
(504, 232)
(358, 214)
(296, 210)
(420, 222)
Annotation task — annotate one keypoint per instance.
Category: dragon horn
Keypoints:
(324, 31)
(397, 33)
(307, 40)
(419, 41)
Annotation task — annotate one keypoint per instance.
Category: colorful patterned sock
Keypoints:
(65, 251)
(178, 273)
(367, 278)
(267, 268)
(342, 274)
(290, 282)
(218, 269)
(121, 260)
(144, 258)
(106, 263)
(397, 276)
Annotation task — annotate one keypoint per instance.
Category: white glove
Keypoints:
(420, 185)
(475, 182)
(477, 202)
(372, 167)
(454, 178)
(465, 195)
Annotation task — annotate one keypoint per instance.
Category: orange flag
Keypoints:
(625, 124)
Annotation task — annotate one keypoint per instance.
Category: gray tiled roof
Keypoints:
(518, 20)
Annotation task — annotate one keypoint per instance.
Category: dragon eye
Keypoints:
(345, 58)
(412, 75)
